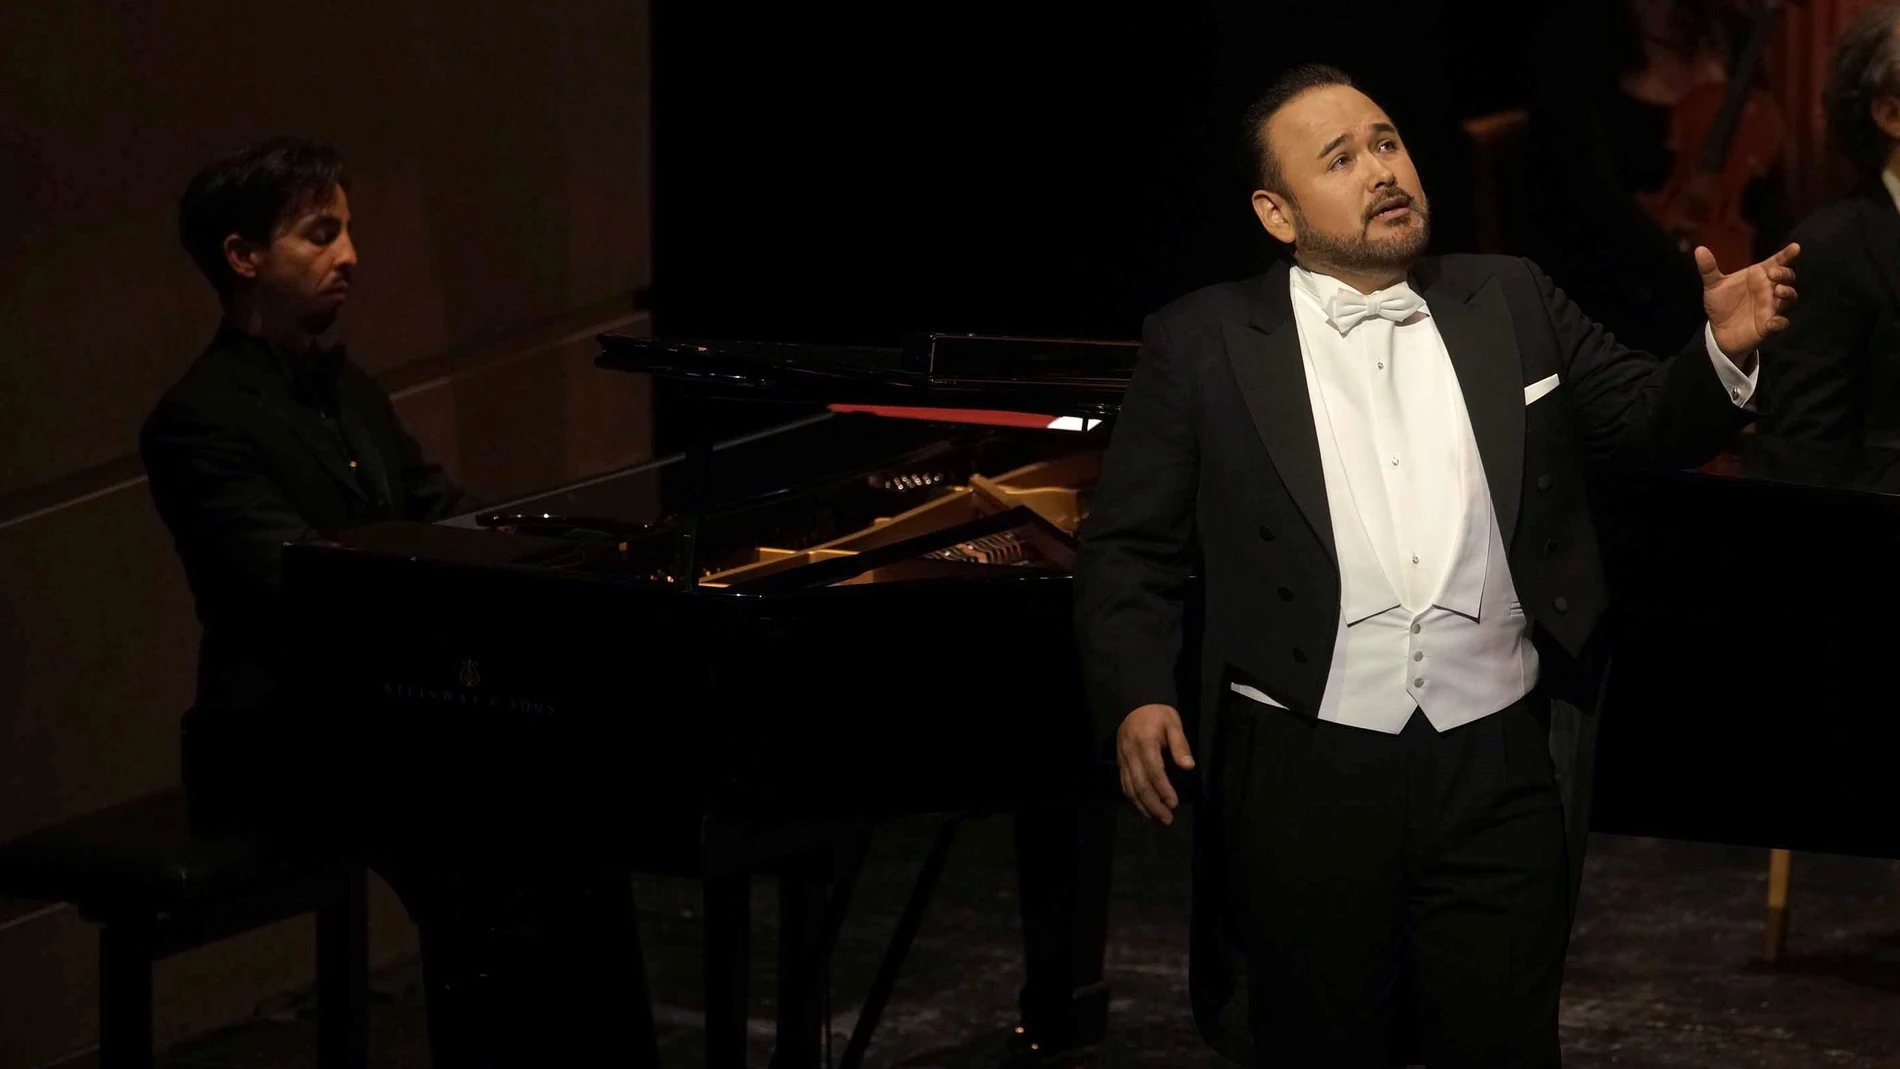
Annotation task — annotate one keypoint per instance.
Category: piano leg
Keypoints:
(1064, 854)
(801, 972)
(814, 895)
(728, 948)
(597, 937)
(525, 968)
(912, 918)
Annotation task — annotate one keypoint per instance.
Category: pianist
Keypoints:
(1377, 458)
(274, 435)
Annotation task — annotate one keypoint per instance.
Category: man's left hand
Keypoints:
(1746, 307)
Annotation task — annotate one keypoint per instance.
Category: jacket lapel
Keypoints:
(1883, 237)
(1475, 323)
(1265, 354)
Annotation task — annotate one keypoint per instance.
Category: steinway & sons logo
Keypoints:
(470, 695)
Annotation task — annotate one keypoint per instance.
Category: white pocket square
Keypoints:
(1254, 693)
(1539, 388)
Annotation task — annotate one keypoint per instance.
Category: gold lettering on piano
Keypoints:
(421, 695)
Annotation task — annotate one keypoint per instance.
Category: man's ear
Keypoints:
(241, 255)
(1276, 215)
(1886, 115)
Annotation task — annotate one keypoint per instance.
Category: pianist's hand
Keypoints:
(1138, 746)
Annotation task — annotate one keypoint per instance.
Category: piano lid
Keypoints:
(1057, 376)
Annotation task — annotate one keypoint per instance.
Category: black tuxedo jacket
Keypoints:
(1214, 466)
(1833, 377)
(240, 462)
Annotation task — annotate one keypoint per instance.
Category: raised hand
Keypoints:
(1746, 307)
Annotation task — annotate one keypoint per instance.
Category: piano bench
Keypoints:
(157, 888)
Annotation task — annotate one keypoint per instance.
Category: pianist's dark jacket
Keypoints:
(1214, 467)
(253, 448)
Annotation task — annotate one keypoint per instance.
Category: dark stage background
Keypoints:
(854, 177)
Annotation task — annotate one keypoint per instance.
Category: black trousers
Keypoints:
(1401, 897)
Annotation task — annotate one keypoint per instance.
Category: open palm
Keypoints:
(1746, 307)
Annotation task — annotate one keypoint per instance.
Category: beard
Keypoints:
(320, 314)
(1364, 252)
(318, 321)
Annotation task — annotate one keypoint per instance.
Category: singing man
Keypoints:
(1376, 457)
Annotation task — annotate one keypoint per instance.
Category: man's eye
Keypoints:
(1388, 145)
(1339, 161)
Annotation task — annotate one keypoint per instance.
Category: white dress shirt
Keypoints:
(1429, 618)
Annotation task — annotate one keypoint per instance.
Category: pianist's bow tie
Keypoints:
(1347, 308)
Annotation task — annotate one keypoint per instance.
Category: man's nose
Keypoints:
(345, 252)
(1381, 174)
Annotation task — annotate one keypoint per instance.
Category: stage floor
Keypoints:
(1665, 967)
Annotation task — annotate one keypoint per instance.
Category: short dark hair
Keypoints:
(251, 193)
(1865, 66)
(1293, 82)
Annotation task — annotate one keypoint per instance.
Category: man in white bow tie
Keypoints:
(1377, 458)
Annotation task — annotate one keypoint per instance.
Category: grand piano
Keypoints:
(756, 648)
(736, 659)
(775, 621)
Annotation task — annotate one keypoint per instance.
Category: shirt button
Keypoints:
(1550, 546)
(1543, 482)
(1419, 682)
(1563, 604)
(1381, 365)
(1299, 655)
(1736, 394)
(1286, 594)
(1414, 558)
(1416, 628)
(352, 463)
(1395, 462)
(1266, 533)
(1418, 656)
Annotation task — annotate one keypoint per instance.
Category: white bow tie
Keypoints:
(1347, 308)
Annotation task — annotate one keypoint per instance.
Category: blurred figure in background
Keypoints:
(1834, 389)
(1606, 79)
